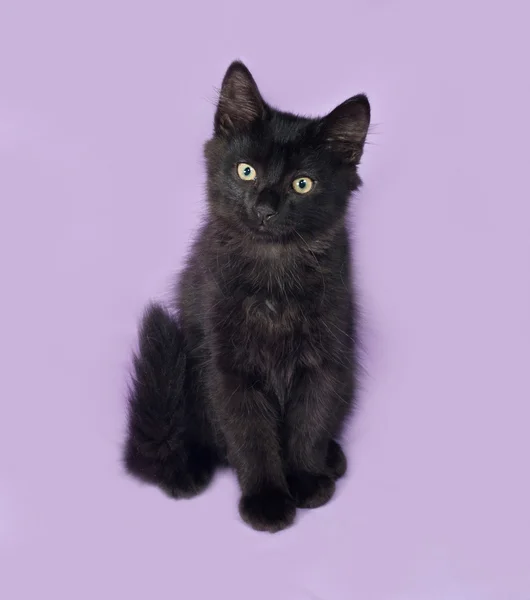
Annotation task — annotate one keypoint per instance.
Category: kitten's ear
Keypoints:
(240, 103)
(345, 128)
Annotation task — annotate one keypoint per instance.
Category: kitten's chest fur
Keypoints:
(266, 337)
(272, 296)
(267, 311)
(268, 314)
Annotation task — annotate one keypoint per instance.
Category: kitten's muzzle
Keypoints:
(266, 208)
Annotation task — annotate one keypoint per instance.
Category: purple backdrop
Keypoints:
(104, 105)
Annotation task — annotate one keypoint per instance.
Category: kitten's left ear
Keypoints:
(240, 102)
(345, 128)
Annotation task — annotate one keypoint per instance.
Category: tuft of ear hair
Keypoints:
(240, 103)
(346, 127)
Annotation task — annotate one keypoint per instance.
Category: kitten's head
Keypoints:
(275, 175)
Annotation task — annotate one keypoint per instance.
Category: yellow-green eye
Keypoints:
(302, 185)
(246, 172)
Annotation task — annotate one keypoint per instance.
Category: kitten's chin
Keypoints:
(267, 235)
(261, 231)
(264, 230)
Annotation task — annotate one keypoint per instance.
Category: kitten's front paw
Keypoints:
(268, 510)
(310, 490)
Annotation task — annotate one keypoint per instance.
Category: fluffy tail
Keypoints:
(156, 399)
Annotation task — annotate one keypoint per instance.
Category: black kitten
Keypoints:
(258, 372)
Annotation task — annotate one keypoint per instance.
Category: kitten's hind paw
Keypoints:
(336, 460)
(178, 477)
(191, 478)
(268, 510)
(310, 490)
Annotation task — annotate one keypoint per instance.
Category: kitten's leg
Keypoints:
(249, 421)
(314, 459)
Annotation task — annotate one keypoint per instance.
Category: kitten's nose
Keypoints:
(264, 213)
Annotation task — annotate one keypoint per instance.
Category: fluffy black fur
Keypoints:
(258, 371)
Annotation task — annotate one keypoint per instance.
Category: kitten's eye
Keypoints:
(302, 185)
(246, 172)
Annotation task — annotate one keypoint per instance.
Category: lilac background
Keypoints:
(104, 105)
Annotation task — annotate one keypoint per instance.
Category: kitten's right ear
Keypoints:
(240, 102)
